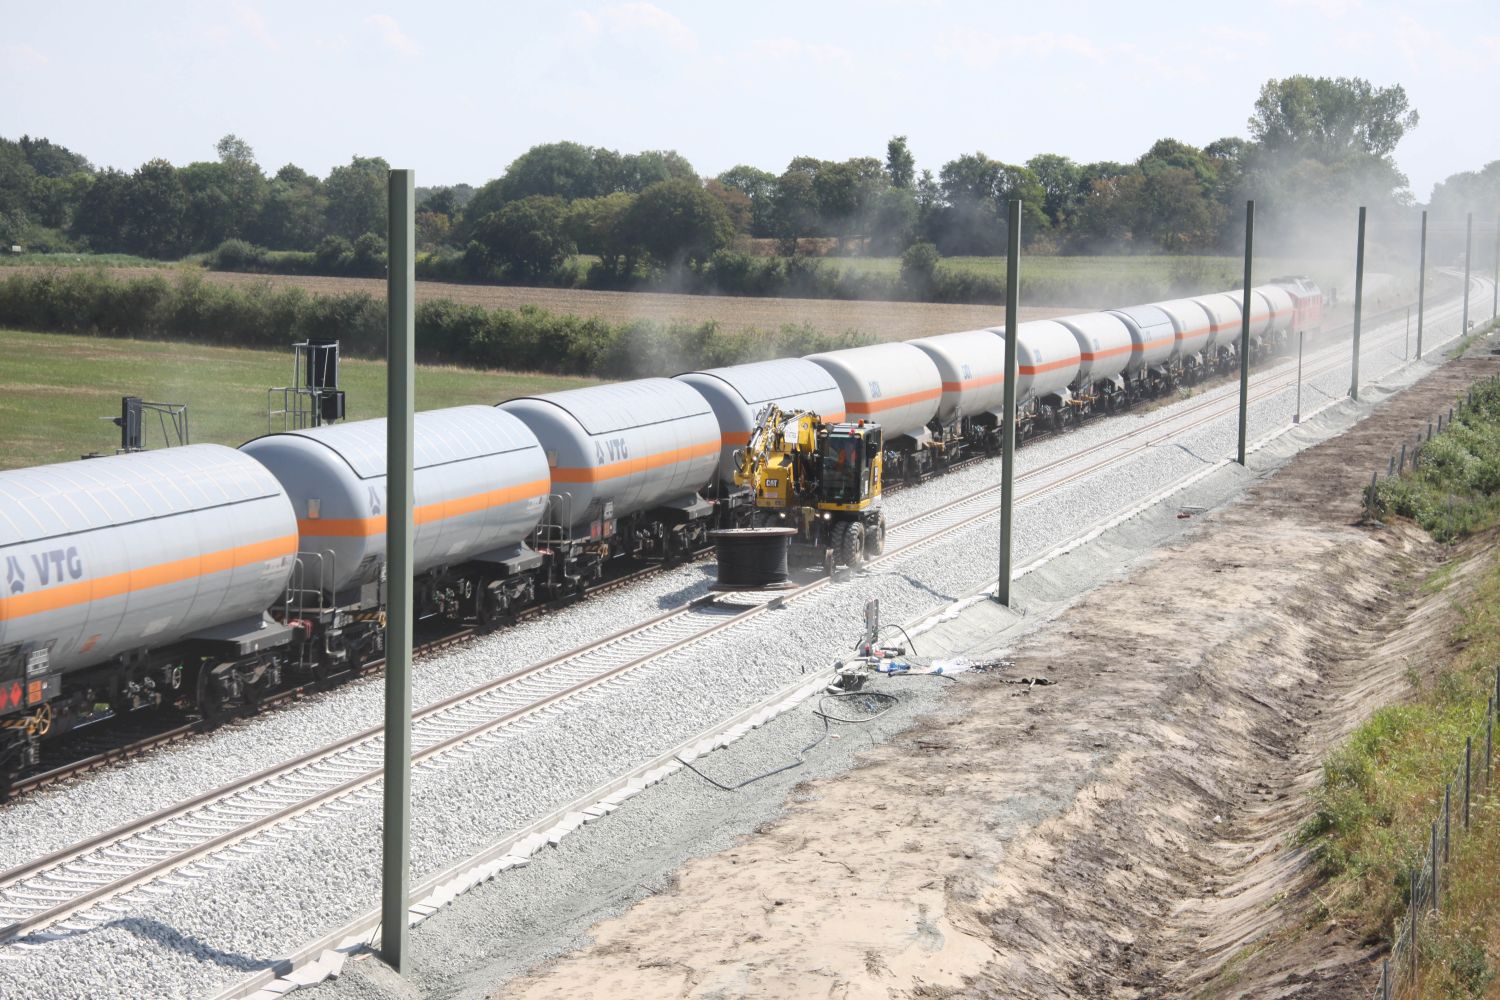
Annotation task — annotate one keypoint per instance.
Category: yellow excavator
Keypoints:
(821, 479)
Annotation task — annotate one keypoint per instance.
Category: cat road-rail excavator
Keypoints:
(821, 479)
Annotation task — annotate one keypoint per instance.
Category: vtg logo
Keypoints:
(54, 566)
(612, 450)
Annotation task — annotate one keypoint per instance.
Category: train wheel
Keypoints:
(210, 698)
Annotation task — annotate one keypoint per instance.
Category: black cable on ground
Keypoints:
(802, 754)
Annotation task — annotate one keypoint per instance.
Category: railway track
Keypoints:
(48, 891)
(124, 738)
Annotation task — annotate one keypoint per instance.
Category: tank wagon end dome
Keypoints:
(1191, 321)
(1153, 333)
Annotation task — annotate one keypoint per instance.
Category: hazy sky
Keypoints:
(456, 90)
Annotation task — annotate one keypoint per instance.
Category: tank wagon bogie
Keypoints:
(136, 581)
(627, 463)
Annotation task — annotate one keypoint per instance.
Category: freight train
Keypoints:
(205, 577)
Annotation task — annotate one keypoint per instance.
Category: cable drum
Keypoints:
(752, 558)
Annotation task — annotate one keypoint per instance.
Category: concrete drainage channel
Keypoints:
(325, 957)
(800, 637)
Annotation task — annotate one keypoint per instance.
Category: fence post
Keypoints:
(1468, 749)
(1385, 979)
(1447, 817)
(1437, 903)
(1413, 918)
(1401, 463)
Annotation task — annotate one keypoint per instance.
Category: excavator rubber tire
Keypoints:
(875, 538)
(849, 544)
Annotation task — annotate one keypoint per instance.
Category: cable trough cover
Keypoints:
(752, 558)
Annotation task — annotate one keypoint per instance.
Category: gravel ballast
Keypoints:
(241, 909)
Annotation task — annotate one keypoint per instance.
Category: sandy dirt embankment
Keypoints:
(1125, 832)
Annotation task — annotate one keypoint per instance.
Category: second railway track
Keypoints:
(52, 889)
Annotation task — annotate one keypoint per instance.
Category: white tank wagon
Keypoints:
(1046, 361)
(480, 484)
(1105, 348)
(1194, 329)
(897, 386)
(130, 580)
(971, 366)
(1155, 342)
(1224, 321)
(627, 462)
(1278, 301)
(739, 393)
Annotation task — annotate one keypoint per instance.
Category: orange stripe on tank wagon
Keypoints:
(363, 527)
(145, 578)
(875, 406)
(974, 383)
(1048, 367)
(615, 470)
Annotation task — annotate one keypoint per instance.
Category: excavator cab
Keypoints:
(851, 467)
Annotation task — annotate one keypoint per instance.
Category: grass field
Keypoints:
(91, 260)
(56, 392)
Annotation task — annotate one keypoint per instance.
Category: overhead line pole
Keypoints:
(1245, 331)
(400, 396)
(1422, 286)
(1359, 299)
(1495, 291)
(1468, 259)
(1008, 428)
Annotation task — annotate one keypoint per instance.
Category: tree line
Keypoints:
(1316, 147)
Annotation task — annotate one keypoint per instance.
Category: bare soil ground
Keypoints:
(883, 320)
(1125, 832)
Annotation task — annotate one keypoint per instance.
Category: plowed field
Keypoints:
(885, 320)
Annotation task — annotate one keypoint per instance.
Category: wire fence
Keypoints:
(1410, 455)
(1470, 779)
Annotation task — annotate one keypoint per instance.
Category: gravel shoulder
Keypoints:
(1123, 832)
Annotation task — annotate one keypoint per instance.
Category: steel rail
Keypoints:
(1217, 406)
